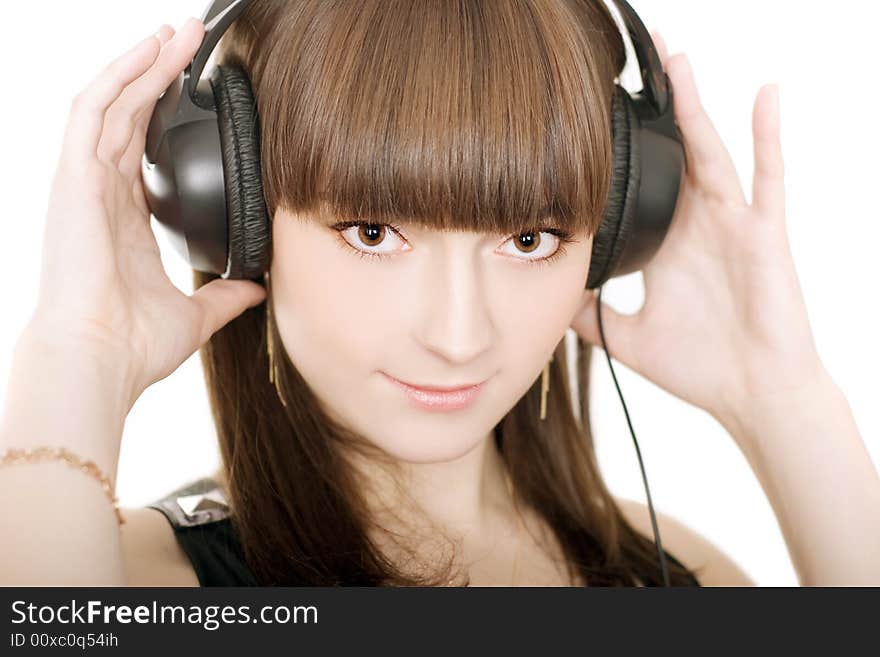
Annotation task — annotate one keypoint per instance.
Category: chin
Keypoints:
(412, 448)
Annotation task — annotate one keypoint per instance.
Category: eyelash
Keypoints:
(564, 238)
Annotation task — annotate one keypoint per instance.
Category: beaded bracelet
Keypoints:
(51, 453)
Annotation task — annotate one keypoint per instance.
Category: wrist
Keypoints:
(71, 358)
(761, 413)
(65, 394)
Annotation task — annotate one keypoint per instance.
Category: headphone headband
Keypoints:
(217, 19)
(654, 78)
(220, 15)
(188, 100)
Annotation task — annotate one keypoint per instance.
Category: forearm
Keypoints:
(59, 526)
(806, 451)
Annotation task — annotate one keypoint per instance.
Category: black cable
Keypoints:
(661, 555)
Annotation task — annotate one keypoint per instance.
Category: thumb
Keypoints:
(619, 329)
(222, 301)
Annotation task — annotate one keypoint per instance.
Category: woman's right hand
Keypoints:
(102, 284)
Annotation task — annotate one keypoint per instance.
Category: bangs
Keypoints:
(454, 115)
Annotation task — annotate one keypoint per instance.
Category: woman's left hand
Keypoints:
(724, 325)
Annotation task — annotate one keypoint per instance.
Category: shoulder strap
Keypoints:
(197, 503)
(201, 520)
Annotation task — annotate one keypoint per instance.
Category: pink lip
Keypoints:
(438, 399)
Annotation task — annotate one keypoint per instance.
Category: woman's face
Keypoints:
(432, 309)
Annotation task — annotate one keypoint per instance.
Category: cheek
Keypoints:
(539, 307)
(335, 326)
(537, 303)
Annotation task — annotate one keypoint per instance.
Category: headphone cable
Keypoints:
(661, 555)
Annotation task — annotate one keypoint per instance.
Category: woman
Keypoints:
(332, 475)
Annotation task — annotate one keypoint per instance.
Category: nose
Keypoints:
(456, 322)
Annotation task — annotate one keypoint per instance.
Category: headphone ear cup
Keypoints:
(248, 225)
(620, 211)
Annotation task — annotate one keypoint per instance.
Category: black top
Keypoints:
(199, 515)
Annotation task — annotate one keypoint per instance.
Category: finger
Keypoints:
(620, 330)
(223, 300)
(165, 33)
(768, 184)
(86, 120)
(660, 45)
(130, 162)
(124, 117)
(711, 164)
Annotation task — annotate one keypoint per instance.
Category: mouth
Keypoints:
(438, 398)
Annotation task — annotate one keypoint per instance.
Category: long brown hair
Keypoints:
(462, 115)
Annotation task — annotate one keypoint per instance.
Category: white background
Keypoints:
(824, 60)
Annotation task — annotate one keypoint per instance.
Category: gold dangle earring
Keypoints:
(545, 387)
(270, 347)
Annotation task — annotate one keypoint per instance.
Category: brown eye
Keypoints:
(371, 234)
(528, 242)
(371, 239)
(542, 245)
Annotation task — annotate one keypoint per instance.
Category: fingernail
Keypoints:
(188, 21)
(160, 33)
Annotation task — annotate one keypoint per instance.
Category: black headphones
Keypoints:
(203, 183)
(202, 177)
